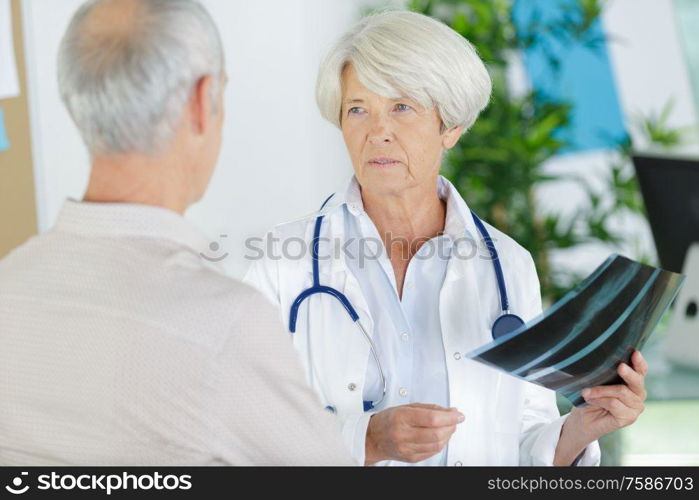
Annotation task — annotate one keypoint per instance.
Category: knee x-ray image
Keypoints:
(581, 339)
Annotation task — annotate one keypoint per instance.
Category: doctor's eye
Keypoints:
(355, 111)
(402, 107)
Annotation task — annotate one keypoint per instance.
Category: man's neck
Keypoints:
(138, 179)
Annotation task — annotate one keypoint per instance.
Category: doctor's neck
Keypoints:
(413, 214)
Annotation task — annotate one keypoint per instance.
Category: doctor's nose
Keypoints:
(380, 131)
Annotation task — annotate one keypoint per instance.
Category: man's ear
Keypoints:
(200, 104)
(450, 137)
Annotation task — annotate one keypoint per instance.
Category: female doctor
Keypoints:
(398, 282)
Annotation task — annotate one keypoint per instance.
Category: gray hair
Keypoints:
(400, 53)
(127, 91)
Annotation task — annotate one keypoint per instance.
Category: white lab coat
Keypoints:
(508, 421)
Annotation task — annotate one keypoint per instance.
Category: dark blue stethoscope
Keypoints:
(504, 324)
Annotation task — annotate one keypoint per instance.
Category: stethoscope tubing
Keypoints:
(505, 318)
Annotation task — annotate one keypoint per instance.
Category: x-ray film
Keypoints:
(580, 340)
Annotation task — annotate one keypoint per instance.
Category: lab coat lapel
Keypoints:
(473, 388)
(338, 345)
(341, 276)
(460, 299)
(460, 306)
(335, 267)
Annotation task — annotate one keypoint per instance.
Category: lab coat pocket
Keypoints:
(508, 401)
(506, 437)
(507, 425)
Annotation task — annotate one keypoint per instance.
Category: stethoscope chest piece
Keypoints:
(507, 323)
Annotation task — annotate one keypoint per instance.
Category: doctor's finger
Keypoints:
(420, 417)
(419, 457)
(619, 391)
(415, 452)
(427, 406)
(633, 379)
(425, 435)
(639, 363)
(622, 413)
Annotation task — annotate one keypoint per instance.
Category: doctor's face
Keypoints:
(394, 144)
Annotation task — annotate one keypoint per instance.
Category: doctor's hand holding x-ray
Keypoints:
(415, 432)
(610, 407)
(382, 326)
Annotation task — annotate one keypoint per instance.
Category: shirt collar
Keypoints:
(353, 197)
(458, 222)
(129, 220)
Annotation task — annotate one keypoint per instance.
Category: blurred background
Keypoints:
(580, 87)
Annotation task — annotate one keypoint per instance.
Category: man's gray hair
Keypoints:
(405, 54)
(126, 91)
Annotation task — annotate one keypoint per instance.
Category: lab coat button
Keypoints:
(352, 386)
(410, 285)
(458, 464)
(403, 392)
(457, 355)
(404, 337)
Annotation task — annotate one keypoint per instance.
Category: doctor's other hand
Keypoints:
(611, 407)
(410, 433)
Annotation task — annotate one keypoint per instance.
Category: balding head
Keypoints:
(127, 67)
(115, 19)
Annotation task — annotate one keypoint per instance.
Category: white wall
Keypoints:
(648, 60)
(279, 159)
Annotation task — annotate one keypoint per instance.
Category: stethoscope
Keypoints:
(504, 324)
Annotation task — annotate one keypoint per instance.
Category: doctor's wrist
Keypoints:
(572, 442)
(371, 449)
(575, 427)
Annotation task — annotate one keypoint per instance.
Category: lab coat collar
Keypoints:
(458, 224)
(353, 197)
(92, 219)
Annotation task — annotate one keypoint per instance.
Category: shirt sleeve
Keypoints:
(263, 273)
(541, 430)
(354, 429)
(267, 415)
(541, 420)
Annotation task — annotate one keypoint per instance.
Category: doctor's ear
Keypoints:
(450, 137)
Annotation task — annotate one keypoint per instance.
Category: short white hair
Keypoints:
(406, 54)
(126, 91)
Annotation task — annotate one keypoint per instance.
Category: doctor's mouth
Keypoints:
(366, 249)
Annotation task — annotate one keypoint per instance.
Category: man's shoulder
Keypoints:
(221, 291)
(21, 250)
(166, 288)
